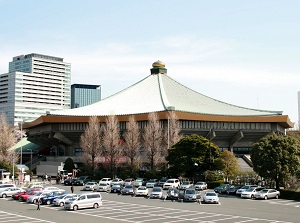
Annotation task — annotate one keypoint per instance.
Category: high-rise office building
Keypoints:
(84, 94)
(34, 85)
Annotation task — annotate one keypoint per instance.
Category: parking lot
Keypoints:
(126, 208)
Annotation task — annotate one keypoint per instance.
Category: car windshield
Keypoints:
(115, 180)
(211, 194)
(103, 184)
(141, 188)
(152, 180)
(185, 183)
(263, 191)
(157, 189)
(249, 190)
(170, 181)
(129, 187)
(117, 185)
(139, 180)
(190, 192)
(199, 183)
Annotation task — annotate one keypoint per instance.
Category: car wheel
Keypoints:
(96, 205)
(20, 199)
(4, 195)
(75, 208)
(266, 197)
(48, 202)
(276, 197)
(61, 204)
(252, 196)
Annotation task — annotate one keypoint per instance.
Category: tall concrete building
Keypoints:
(36, 84)
(84, 94)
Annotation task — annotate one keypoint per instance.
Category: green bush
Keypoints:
(289, 194)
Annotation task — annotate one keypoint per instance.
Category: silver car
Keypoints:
(267, 193)
(60, 201)
(211, 198)
(8, 192)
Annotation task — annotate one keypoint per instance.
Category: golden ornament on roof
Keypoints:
(158, 64)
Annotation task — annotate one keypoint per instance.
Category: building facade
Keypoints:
(84, 94)
(231, 127)
(35, 85)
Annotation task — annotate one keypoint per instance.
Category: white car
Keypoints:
(60, 201)
(90, 186)
(174, 183)
(157, 192)
(105, 180)
(211, 198)
(50, 188)
(249, 193)
(185, 185)
(103, 187)
(8, 192)
(117, 181)
(244, 188)
(201, 185)
(141, 191)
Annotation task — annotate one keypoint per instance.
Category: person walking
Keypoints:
(72, 189)
(38, 203)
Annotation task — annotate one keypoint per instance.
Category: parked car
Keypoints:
(87, 200)
(8, 192)
(140, 182)
(60, 200)
(157, 192)
(116, 181)
(128, 181)
(211, 198)
(105, 180)
(103, 187)
(69, 181)
(186, 184)
(249, 193)
(116, 188)
(192, 195)
(152, 183)
(49, 199)
(222, 188)
(51, 188)
(90, 186)
(243, 188)
(233, 189)
(171, 183)
(23, 197)
(82, 180)
(128, 190)
(34, 198)
(162, 181)
(141, 191)
(267, 193)
(172, 194)
(201, 185)
(17, 195)
(4, 186)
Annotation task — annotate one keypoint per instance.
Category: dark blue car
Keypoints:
(48, 199)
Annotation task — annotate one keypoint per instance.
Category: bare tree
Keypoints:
(111, 141)
(7, 140)
(153, 138)
(90, 142)
(132, 142)
(172, 133)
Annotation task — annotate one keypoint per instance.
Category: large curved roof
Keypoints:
(159, 92)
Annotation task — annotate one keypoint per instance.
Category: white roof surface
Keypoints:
(156, 93)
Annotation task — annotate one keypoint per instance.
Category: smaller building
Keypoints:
(84, 94)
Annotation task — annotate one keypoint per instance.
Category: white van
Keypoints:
(87, 200)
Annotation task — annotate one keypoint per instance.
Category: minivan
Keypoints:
(87, 200)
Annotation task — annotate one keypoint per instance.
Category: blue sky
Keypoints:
(245, 53)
